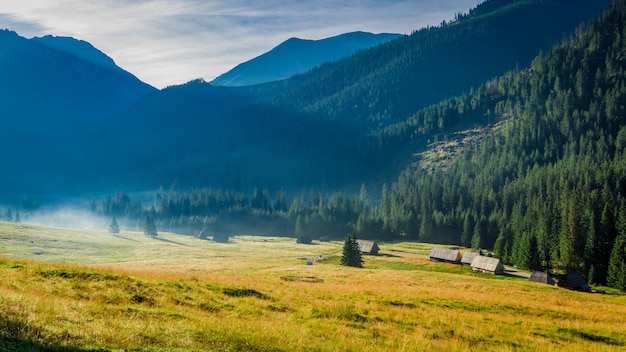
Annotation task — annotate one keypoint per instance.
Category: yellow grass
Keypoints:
(257, 294)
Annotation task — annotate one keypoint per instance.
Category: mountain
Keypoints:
(52, 93)
(63, 77)
(330, 128)
(295, 56)
(78, 48)
(318, 132)
(200, 134)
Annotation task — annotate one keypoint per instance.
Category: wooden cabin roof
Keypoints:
(448, 255)
(367, 246)
(488, 264)
(541, 277)
(468, 257)
(574, 281)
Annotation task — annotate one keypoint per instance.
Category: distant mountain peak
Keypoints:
(78, 48)
(296, 55)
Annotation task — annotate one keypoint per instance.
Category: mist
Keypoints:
(67, 217)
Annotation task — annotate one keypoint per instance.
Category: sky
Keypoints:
(169, 42)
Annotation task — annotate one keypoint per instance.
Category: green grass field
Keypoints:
(77, 290)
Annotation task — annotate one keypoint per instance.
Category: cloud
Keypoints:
(167, 42)
(7, 21)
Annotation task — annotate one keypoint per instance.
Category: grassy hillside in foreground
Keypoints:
(176, 293)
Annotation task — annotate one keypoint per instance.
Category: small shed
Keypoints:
(488, 265)
(541, 277)
(445, 255)
(304, 239)
(222, 238)
(368, 247)
(468, 257)
(574, 281)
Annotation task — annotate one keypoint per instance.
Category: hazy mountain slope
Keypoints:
(49, 101)
(78, 48)
(296, 56)
(198, 134)
(59, 82)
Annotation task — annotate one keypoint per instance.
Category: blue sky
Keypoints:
(167, 42)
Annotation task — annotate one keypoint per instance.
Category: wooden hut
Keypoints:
(468, 257)
(574, 281)
(445, 255)
(488, 265)
(368, 247)
(541, 277)
(222, 238)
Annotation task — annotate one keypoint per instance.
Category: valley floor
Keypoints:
(76, 290)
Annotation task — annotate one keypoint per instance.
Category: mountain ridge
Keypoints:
(37, 72)
(78, 48)
(295, 56)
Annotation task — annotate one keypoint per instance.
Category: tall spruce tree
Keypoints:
(351, 253)
(149, 228)
(617, 264)
(114, 227)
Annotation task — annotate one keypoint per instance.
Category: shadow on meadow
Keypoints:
(170, 241)
(11, 344)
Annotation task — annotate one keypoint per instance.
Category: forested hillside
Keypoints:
(54, 91)
(547, 187)
(391, 82)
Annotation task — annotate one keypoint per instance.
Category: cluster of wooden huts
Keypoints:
(489, 265)
(480, 263)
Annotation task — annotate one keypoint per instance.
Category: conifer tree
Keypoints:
(351, 253)
(8, 216)
(534, 261)
(468, 228)
(476, 240)
(617, 264)
(149, 228)
(114, 227)
(299, 231)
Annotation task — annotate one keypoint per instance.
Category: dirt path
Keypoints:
(509, 270)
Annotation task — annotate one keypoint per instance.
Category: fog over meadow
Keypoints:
(66, 217)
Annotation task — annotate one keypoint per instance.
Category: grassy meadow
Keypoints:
(79, 290)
